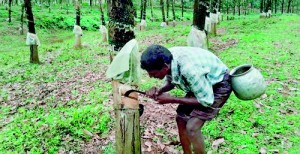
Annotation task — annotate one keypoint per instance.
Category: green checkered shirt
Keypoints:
(196, 70)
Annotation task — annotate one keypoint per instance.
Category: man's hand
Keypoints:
(164, 98)
(152, 93)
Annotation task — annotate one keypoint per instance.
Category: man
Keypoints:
(203, 77)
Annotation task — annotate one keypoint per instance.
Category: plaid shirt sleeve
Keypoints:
(197, 82)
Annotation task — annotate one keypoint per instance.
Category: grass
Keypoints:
(49, 107)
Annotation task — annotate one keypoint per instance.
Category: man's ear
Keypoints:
(166, 67)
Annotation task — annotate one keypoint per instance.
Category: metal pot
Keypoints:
(247, 82)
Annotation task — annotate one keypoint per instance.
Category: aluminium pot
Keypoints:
(247, 82)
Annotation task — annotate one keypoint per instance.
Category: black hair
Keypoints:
(155, 57)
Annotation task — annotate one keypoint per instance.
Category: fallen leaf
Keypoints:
(274, 150)
(297, 133)
(210, 152)
(263, 150)
(255, 134)
(86, 132)
(242, 147)
(149, 144)
(162, 146)
(264, 96)
(217, 142)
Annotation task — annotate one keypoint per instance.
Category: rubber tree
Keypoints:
(168, 9)
(34, 57)
(9, 10)
(151, 6)
(101, 13)
(289, 8)
(261, 6)
(233, 7)
(275, 6)
(268, 5)
(144, 9)
(22, 19)
(282, 6)
(214, 17)
(162, 6)
(173, 12)
(49, 7)
(103, 29)
(77, 29)
(197, 36)
(239, 7)
(182, 9)
(121, 23)
(200, 7)
(77, 17)
(121, 30)
(227, 8)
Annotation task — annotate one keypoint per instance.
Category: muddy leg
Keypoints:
(193, 129)
(184, 139)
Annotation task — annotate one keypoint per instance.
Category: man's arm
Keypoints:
(167, 98)
(165, 88)
(154, 92)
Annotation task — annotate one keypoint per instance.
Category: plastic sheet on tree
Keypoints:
(103, 30)
(125, 67)
(77, 30)
(163, 24)
(32, 39)
(263, 14)
(213, 18)
(269, 13)
(197, 38)
(207, 25)
(219, 16)
(143, 23)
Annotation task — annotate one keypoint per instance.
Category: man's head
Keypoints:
(156, 60)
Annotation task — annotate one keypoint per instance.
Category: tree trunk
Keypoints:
(182, 9)
(151, 5)
(22, 19)
(127, 124)
(9, 11)
(214, 17)
(34, 57)
(282, 4)
(121, 30)
(220, 6)
(173, 10)
(233, 7)
(227, 9)
(77, 28)
(275, 6)
(289, 6)
(121, 23)
(144, 9)
(261, 6)
(77, 14)
(102, 13)
(168, 8)
(197, 36)
(239, 7)
(49, 3)
(268, 6)
(162, 10)
(199, 13)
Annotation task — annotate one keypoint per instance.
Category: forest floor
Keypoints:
(64, 105)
